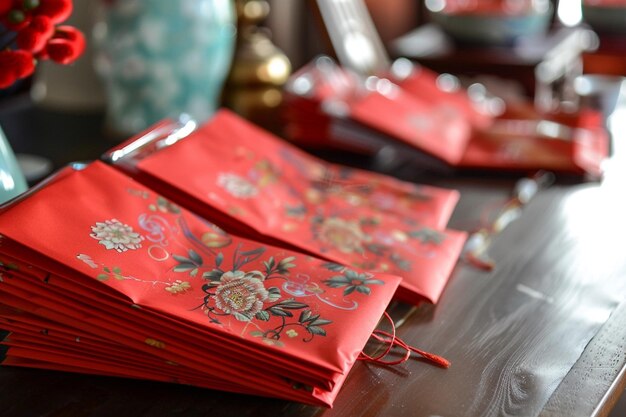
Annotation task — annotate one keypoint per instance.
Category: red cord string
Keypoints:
(390, 340)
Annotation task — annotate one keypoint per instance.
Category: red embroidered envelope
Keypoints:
(413, 121)
(432, 128)
(576, 144)
(155, 292)
(452, 100)
(322, 96)
(262, 187)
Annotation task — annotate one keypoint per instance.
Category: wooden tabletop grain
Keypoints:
(543, 334)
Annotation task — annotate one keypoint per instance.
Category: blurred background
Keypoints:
(147, 60)
(152, 59)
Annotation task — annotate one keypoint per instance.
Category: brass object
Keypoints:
(259, 71)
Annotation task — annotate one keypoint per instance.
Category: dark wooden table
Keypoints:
(544, 334)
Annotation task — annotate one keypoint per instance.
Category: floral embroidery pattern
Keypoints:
(164, 206)
(365, 236)
(115, 272)
(114, 234)
(427, 235)
(354, 217)
(241, 294)
(237, 186)
(246, 296)
(347, 212)
(345, 235)
(178, 287)
(353, 281)
(250, 291)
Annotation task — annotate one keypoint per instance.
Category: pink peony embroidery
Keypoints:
(241, 294)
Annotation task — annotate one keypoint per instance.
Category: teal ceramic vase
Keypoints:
(161, 58)
(12, 182)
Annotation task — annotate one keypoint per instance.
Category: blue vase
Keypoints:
(12, 182)
(161, 58)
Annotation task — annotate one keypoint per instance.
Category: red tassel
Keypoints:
(390, 340)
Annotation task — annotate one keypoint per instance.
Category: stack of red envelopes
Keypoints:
(436, 124)
(328, 106)
(256, 185)
(102, 275)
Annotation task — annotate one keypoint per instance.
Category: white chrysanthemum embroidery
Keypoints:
(114, 234)
(236, 185)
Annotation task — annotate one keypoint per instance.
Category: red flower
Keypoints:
(66, 45)
(5, 6)
(31, 24)
(15, 65)
(57, 10)
(34, 37)
(16, 19)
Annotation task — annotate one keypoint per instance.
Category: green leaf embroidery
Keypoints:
(214, 275)
(273, 294)
(363, 289)
(291, 304)
(277, 311)
(181, 259)
(263, 315)
(184, 267)
(321, 322)
(316, 330)
(331, 266)
(304, 316)
(241, 317)
(193, 255)
(353, 281)
(256, 251)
